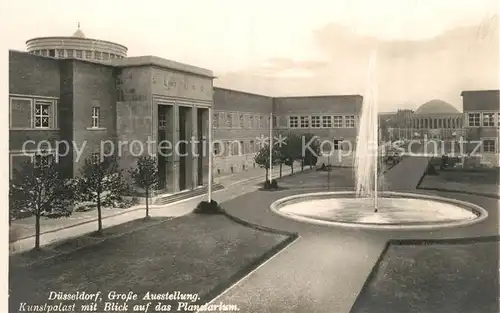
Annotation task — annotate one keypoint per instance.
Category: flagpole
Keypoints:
(271, 147)
(210, 124)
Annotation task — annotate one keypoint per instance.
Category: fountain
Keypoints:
(366, 206)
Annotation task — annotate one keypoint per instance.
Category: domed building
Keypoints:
(77, 46)
(437, 119)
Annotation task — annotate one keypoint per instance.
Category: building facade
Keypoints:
(482, 124)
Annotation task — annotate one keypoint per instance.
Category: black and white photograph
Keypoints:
(328, 156)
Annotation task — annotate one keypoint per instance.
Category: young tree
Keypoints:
(290, 150)
(39, 187)
(262, 158)
(311, 146)
(145, 176)
(101, 181)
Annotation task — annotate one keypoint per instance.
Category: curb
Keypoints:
(243, 272)
(472, 193)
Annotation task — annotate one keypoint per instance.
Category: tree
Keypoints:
(145, 176)
(39, 188)
(262, 158)
(101, 181)
(312, 150)
(290, 150)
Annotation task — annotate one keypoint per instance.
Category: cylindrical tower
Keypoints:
(77, 47)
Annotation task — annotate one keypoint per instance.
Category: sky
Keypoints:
(426, 49)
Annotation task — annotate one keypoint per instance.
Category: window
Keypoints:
(43, 160)
(52, 52)
(44, 53)
(250, 121)
(98, 55)
(251, 148)
(216, 148)
(293, 121)
(229, 120)
(350, 121)
(489, 145)
(337, 144)
(304, 122)
(315, 121)
(60, 53)
(338, 121)
(215, 121)
(79, 54)
(70, 53)
(242, 121)
(162, 121)
(261, 121)
(42, 115)
(105, 56)
(88, 54)
(488, 119)
(95, 117)
(275, 121)
(112, 56)
(95, 158)
(474, 119)
(327, 121)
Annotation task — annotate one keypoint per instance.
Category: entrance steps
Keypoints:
(171, 198)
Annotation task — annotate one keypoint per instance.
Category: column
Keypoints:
(172, 135)
(195, 146)
(188, 136)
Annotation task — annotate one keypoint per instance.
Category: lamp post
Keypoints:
(328, 168)
(210, 154)
(271, 147)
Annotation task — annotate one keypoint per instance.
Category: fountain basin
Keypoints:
(396, 210)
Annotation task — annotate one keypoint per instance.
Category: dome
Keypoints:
(79, 33)
(437, 106)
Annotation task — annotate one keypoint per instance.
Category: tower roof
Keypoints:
(78, 32)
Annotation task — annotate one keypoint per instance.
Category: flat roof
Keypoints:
(150, 60)
(77, 38)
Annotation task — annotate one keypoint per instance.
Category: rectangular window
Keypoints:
(474, 119)
(489, 145)
(216, 148)
(79, 54)
(250, 121)
(42, 115)
(97, 55)
(261, 121)
(95, 117)
(293, 121)
(215, 120)
(44, 53)
(251, 148)
(70, 53)
(105, 56)
(275, 121)
(316, 121)
(488, 119)
(95, 158)
(327, 121)
(43, 160)
(337, 144)
(338, 121)
(304, 122)
(242, 121)
(88, 54)
(350, 121)
(60, 53)
(162, 121)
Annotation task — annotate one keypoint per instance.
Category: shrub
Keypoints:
(205, 207)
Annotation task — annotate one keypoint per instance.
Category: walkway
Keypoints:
(326, 268)
(54, 230)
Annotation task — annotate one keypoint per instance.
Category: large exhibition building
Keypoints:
(88, 93)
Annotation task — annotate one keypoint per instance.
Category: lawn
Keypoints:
(192, 254)
(434, 278)
(480, 180)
